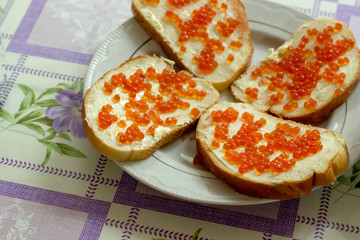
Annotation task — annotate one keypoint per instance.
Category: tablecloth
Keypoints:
(54, 185)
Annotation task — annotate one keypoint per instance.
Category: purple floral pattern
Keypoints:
(68, 115)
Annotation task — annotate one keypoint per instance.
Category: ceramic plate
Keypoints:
(170, 169)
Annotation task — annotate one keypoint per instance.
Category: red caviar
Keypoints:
(133, 133)
(229, 115)
(154, 2)
(223, 7)
(195, 28)
(251, 93)
(116, 98)
(300, 69)
(145, 109)
(194, 112)
(230, 58)
(337, 92)
(121, 123)
(236, 45)
(228, 27)
(310, 104)
(170, 121)
(105, 118)
(252, 150)
(276, 98)
(215, 144)
(182, 49)
(179, 3)
(151, 129)
(290, 106)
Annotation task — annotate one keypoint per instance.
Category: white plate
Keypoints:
(170, 169)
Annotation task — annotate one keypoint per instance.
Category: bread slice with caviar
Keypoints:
(264, 156)
(211, 39)
(308, 76)
(134, 109)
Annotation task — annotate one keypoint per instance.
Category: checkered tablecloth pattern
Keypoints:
(69, 191)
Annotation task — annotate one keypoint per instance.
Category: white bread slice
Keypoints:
(165, 32)
(106, 142)
(318, 169)
(323, 93)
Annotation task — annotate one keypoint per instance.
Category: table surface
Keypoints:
(54, 185)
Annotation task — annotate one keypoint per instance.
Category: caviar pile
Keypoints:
(144, 109)
(252, 150)
(196, 27)
(317, 56)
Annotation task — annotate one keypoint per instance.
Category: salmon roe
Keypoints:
(228, 27)
(143, 109)
(337, 92)
(230, 58)
(116, 98)
(154, 2)
(182, 49)
(252, 150)
(251, 93)
(310, 104)
(300, 69)
(223, 7)
(194, 112)
(105, 118)
(179, 3)
(227, 116)
(236, 45)
(195, 28)
(276, 98)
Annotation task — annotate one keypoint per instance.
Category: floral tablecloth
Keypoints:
(54, 185)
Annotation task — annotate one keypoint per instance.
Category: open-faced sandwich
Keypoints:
(264, 156)
(136, 108)
(307, 77)
(209, 38)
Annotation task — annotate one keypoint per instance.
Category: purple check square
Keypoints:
(60, 30)
(42, 212)
(281, 222)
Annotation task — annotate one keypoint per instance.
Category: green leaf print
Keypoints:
(38, 115)
(352, 182)
(44, 120)
(47, 157)
(31, 116)
(28, 99)
(64, 136)
(34, 127)
(196, 235)
(46, 103)
(344, 180)
(65, 85)
(50, 137)
(50, 91)
(6, 116)
(51, 146)
(74, 86)
(70, 151)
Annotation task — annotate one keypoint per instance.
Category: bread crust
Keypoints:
(115, 151)
(320, 113)
(182, 64)
(287, 189)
